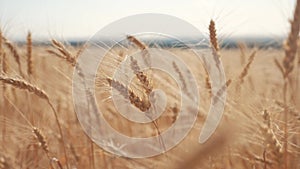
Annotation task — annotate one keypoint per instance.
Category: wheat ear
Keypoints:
(64, 53)
(29, 55)
(245, 70)
(215, 51)
(41, 138)
(213, 36)
(291, 42)
(141, 76)
(135, 100)
(135, 41)
(271, 141)
(242, 47)
(15, 54)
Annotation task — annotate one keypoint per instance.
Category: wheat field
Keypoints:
(260, 127)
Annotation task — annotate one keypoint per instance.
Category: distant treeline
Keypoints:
(261, 43)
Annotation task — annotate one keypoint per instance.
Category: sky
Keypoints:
(81, 19)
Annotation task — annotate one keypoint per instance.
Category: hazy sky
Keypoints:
(83, 18)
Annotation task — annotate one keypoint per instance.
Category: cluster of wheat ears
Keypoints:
(260, 127)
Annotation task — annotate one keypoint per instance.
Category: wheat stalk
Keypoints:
(135, 41)
(142, 47)
(41, 138)
(181, 77)
(271, 141)
(55, 53)
(288, 61)
(38, 134)
(142, 104)
(79, 52)
(213, 36)
(21, 84)
(278, 65)
(221, 90)
(65, 54)
(208, 84)
(29, 55)
(4, 63)
(24, 85)
(215, 51)
(242, 48)
(291, 42)
(4, 70)
(134, 99)
(15, 53)
(4, 92)
(245, 70)
(61, 48)
(141, 76)
(175, 112)
(1, 48)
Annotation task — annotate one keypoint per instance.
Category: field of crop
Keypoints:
(260, 127)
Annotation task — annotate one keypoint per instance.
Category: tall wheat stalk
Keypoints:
(1, 48)
(3, 65)
(21, 84)
(38, 134)
(15, 54)
(288, 65)
(29, 55)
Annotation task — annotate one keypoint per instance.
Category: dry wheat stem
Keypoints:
(4, 63)
(4, 70)
(288, 64)
(1, 43)
(279, 66)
